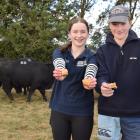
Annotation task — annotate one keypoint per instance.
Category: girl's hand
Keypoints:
(58, 74)
(89, 83)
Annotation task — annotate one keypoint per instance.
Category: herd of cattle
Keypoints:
(25, 74)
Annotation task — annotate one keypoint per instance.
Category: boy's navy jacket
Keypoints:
(69, 95)
(120, 65)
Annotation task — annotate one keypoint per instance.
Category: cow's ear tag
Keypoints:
(23, 62)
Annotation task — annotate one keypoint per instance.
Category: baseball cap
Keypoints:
(119, 14)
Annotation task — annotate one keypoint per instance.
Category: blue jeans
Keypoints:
(115, 128)
(130, 128)
(109, 128)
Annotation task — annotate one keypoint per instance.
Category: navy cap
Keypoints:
(119, 14)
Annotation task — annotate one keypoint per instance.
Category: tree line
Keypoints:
(34, 28)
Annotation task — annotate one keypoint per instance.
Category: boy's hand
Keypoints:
(107, 89)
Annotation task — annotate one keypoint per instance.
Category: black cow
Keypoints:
(5, 64)
(35, 75)
(24, 60)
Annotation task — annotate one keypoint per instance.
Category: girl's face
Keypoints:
(120, 30)
(78, 34)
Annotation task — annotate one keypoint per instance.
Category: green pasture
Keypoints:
(20, 120)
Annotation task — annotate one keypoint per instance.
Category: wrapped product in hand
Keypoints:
(64, 72)
(113, 85)
(86, 82)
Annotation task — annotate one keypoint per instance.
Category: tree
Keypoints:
(33, 28)
(85, 6)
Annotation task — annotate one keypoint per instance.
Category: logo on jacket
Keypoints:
(81, 63)
(133, 58)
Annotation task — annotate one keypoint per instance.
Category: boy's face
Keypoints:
(120, 30)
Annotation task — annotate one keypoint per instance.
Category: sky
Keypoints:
(92, 16)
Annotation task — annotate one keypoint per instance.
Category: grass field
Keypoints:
(20, 120)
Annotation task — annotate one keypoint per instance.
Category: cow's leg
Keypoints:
(18, 90)
(9, 94)
(31, 91)
(42, 91)
(7, 89)
(25, 90)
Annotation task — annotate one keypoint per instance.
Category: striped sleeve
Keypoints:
(91, 71)
(58, 60)
(59, 63)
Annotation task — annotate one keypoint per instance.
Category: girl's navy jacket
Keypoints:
(120, 65)
(69, 95)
